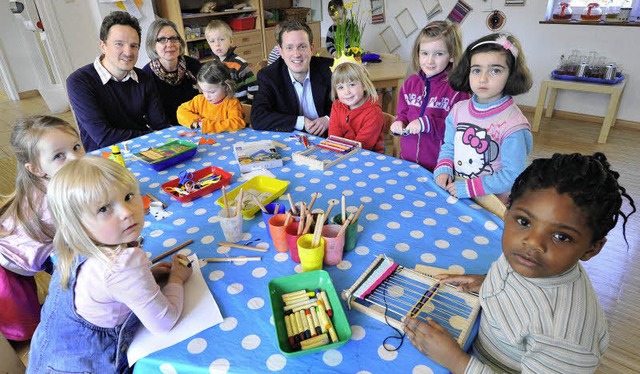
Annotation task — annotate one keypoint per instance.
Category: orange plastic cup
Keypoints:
(291, 233)
(278, 234)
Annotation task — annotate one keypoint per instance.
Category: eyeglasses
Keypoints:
(164, 40)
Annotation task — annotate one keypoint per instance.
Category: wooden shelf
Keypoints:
(587, 23)
(216, 14)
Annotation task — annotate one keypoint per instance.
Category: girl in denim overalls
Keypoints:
(102, 274)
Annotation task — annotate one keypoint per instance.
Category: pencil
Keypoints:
(241, 246)
(318, 231)
(239, 204)
(231, 259)
(171, 251)
(344, 207)
(164, 206)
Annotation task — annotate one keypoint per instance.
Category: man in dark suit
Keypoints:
(294, 93)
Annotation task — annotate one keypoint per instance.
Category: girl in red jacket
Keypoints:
(357, 114)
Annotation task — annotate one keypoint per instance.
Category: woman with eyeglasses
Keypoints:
(174, 73)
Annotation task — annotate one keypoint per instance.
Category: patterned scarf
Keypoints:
(173, 78)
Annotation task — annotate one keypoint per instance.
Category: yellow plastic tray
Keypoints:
(266, 189)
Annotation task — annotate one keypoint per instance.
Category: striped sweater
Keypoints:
(538, 325)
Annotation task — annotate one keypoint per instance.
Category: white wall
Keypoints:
(543, 44)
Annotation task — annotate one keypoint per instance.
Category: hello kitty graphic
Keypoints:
(474, 151)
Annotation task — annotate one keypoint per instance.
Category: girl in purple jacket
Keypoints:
(426, 97)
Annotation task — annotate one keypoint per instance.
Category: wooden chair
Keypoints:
(11, 362)
(259, 65)
(246, 112)
(388, 120)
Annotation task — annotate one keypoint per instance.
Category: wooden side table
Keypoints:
(615, 90)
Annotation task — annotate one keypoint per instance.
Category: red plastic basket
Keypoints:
(225, 179)
(243, 23)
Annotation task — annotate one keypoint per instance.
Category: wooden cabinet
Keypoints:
(191, 25)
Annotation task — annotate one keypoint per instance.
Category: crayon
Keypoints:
(312, 329)
(325, 300)
(306, 306)
(185, 262)
(316, 321)
(317, 341)
(305, 324)
(300, 326)
(287, 323)
(290, 294)
(301, 303)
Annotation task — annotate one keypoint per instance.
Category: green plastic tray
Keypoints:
(310, 281)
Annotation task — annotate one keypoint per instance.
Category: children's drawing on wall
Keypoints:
(431, 7)
(390, 39)
(130, 6)
(459, 12)
(377, 11)
(406, 22)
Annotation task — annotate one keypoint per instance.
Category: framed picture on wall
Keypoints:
(377, 11)
(406, 22)
(431, 7)
(390, 39)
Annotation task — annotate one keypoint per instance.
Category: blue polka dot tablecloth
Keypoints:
(406, 216)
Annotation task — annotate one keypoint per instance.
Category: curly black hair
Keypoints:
(588, 180)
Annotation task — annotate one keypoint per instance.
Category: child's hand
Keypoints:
(443, 180)
(396, 128)
(161, 271)
(414, 127)
(451, 188)
(436, 342)
(465, 283)
(179, 272)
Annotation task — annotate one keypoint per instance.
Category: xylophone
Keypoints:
(389, 293)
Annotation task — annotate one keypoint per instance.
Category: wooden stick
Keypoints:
(259, 204)
(313, 201)
(331, 204)
(344, 208)
(164, 206)
(226, 202)
(301, 223)
(171, 251)
(293, 206)
(276, 208)
(287, 219)
(231, 259)
(344, 225)
(242, 246)
(317, 232)
(355, 218)
(239, 203)
(307, 225)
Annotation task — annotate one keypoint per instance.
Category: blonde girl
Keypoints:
(357, 114)
(487, 138)
(104, 285)
(42, 145)
(426, 97)
(215, 109)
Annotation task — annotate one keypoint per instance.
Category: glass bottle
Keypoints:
(563, 12)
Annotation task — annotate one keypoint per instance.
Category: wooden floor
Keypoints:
(615, 272)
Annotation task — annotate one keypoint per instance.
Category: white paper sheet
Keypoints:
(199, 313)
